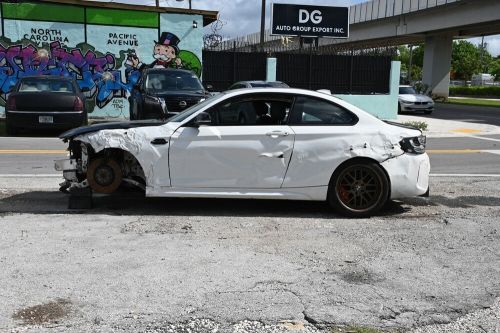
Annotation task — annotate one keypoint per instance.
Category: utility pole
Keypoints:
(262, 22)
(482, 55)
(178, 1)
(410, 65)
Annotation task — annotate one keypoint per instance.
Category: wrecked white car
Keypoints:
(267, 143)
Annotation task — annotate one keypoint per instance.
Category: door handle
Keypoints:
(159, 141)
(278, 154)
(276, 134)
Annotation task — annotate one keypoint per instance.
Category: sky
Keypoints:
(242, 17)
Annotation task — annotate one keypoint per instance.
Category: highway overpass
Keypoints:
(433, 22)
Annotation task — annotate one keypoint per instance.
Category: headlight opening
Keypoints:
(414, 145)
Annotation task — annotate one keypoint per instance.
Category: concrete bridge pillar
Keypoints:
(437, 63)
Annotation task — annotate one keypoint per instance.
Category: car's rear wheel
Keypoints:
(133, 110)
(104, 175)
(9, 129)
(358, 189)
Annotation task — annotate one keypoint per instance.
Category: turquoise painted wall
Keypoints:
(272, 64)
(381, 106)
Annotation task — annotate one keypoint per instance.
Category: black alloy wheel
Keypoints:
(359, 189)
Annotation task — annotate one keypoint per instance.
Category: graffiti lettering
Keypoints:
(97, 75)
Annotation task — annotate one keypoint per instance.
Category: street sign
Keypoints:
(309, 21)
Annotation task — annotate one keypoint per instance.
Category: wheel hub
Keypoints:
(104, 175)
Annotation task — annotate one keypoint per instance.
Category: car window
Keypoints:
(237, 86)
(257, 110)
(161, 81)
(35, 85)
(314, 111)
(407, 91)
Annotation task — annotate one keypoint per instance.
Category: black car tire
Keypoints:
(133, 109)
(399, 108)
(358, 189)
(9, 129)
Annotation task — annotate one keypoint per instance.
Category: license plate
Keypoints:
(45, 119)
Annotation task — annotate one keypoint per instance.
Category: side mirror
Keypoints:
(209, 87)
(203, 119)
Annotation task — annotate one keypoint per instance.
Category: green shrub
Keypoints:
(421, 125)
(492, 91)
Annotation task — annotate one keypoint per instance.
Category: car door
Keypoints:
(246, 144)
(325, 134)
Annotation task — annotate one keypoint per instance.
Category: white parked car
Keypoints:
(411, 101)
(297, 145)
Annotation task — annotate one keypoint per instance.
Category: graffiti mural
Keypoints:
(97, 74)
(100, 75)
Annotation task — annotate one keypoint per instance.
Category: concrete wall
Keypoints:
(381, 106)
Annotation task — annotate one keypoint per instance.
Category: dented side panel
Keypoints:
(319, 150)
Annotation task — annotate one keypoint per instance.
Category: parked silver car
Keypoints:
(411, 101)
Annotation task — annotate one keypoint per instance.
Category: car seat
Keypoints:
(261, 109)
(278, 112)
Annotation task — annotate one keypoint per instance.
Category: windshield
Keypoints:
(407, 91)
(193, 109)
(172, 81)
(43, 85)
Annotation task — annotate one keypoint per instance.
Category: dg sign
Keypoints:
(310, 21)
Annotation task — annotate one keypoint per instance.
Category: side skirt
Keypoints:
(316, 193)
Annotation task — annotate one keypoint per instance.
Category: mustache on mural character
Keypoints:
(161, 57)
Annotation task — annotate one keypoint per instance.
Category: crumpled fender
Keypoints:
(136, 141)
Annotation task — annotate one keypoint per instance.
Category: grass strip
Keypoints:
(473, 101)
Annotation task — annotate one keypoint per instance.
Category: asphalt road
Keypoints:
(473, 114)
(448, 155)
(457, 155)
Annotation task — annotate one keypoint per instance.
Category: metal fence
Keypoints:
(308, 66)
(223, 68)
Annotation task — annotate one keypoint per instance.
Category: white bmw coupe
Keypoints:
(261, 143)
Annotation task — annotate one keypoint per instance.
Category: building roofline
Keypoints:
(209, 16)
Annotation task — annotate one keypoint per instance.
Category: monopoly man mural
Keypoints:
(165, 53)
(106, 60)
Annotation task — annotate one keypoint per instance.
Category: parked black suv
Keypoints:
(164, 92)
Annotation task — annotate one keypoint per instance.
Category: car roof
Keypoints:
(405, 86)
(47, 77)
(159, 70)
(258, 81)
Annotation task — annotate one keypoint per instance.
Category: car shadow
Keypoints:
(134, 203)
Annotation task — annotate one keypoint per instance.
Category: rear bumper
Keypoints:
(409, 175)
(31, 119)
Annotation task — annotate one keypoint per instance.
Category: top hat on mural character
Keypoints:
(169, 39)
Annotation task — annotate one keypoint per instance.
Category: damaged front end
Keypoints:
(103, 172)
